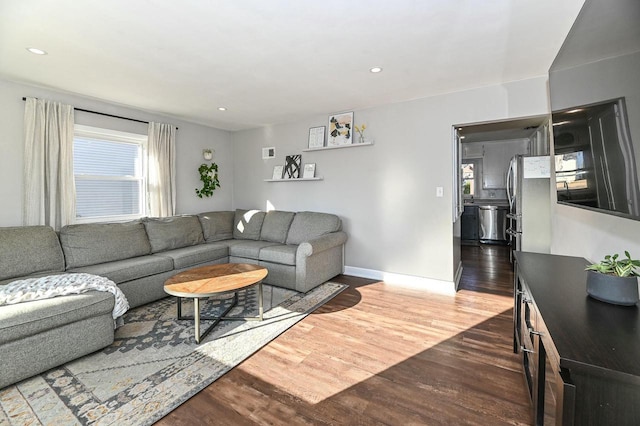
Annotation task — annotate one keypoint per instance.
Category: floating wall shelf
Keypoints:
(353, 145)
(292, 180)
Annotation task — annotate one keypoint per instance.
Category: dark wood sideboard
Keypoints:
(581, 357)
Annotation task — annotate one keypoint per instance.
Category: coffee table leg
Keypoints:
(260, 305)
(196, 318)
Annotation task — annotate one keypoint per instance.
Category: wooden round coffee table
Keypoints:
(213, 280)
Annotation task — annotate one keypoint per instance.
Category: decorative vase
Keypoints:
(361, 139)
(613, 289)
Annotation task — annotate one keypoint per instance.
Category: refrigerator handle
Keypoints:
(509, 195)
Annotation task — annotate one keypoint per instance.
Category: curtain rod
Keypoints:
(106, 115)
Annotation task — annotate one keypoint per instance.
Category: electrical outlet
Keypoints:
(439, 191)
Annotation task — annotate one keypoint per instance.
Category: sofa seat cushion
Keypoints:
(38, 275)
(247, 224)
(276, 226)
(249, 249)
(91, 243)
(29, 318)
(217, 226)
(188, 256)
(282, 254)
(129, 269)
(310, 225)
(26, 250)
(168, 233)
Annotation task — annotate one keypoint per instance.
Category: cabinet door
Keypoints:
(556, 396)
(472, 150)
(469, 224)
(495, 162)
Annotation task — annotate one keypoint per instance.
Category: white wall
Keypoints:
(582, 232)
(191, 139)
(385, 193)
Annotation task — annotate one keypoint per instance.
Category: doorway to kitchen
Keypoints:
(487, 215)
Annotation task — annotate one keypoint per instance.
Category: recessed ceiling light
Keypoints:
(36, 51)
(375, 69)
(222, 109)
(573, 111)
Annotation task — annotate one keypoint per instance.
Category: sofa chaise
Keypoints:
(300, 251)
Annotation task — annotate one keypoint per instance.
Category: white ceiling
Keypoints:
(274, 61)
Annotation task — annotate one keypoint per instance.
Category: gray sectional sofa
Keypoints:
(300, 250)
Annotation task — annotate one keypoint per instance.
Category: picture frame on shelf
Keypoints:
(292, 166)
(309, 171)
(340, 129)
(278, 172)
(316, 137)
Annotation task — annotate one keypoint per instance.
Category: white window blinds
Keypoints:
(109, 171)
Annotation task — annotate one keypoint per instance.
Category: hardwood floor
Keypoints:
(384, 354)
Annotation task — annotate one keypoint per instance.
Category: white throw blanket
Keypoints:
(59, 285)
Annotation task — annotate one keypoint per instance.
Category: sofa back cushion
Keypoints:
(93, 243)
(26, 250)
(309, 225)
(166, 233)
(276, 226)
(247, 224)
(217, 226)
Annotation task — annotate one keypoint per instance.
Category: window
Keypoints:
(468, 179)
(109, 169)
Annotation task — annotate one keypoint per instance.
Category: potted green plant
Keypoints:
(614, 280)
(209, 178)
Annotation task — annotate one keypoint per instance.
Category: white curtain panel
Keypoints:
(161, 166)
(49, 188)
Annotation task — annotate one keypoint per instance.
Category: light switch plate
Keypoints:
(439, 191)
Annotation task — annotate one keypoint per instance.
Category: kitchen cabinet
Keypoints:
(472, 150)
(496, 159)
(470, 224)
(579, 355)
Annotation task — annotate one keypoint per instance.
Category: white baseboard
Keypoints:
(436, 286)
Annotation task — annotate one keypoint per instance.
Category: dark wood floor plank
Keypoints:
(384, 354)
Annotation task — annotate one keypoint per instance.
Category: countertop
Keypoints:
(486, 202)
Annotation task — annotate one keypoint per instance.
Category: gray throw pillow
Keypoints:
(247, 224)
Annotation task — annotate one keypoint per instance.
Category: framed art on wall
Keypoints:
(340, 129)
(316, 137)
(268, 153)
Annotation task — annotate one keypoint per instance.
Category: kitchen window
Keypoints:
(469, 174)
(110, 174)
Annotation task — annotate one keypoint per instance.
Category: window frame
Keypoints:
(117, 136)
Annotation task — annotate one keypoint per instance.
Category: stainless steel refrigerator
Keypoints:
(528, 192)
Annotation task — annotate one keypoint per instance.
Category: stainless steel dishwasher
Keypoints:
(493, 224)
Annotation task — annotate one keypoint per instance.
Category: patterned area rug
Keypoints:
(154, 364)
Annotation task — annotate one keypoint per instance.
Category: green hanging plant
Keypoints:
(209, 178)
